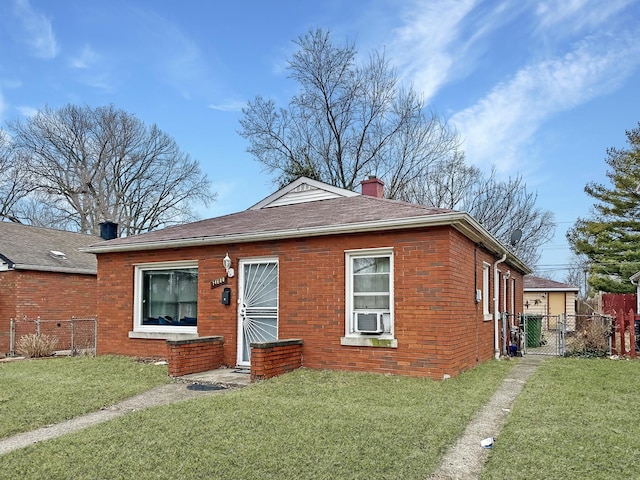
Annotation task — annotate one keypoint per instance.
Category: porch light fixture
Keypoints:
(226, 263)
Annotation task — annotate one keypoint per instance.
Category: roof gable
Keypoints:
(26, 247)
(302, 190)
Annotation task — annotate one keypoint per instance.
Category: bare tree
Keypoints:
(91, 165)
(15, 182)
(347, 121)
(577, 273)
(501, 206)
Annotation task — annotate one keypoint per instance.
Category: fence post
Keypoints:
(632, 335)
(12, 338)
(38, 325)
(73, 336)
(95, 336)
(561, 336)
(525, 340)
(621, 329)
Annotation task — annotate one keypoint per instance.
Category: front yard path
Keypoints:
(169, 393)
(465, 459)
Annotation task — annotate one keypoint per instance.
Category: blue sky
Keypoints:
(537, 88)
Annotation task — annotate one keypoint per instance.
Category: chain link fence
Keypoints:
(562, 335)
(75, 336)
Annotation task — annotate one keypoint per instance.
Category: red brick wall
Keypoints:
(49, 295)
(438, 326)
(271, 359)
(196, 355)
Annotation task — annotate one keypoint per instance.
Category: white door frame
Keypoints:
(256, 321)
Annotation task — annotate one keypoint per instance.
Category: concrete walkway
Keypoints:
(184, 388)
(465, 459)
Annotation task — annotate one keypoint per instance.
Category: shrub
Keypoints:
(592, 341)
(34, 345)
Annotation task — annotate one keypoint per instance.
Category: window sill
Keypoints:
(362, 341)
(162, 335)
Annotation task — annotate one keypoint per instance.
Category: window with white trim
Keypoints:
(486, 291)
(166, 297)
(369, 276)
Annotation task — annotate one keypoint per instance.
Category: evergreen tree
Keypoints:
(610, 239)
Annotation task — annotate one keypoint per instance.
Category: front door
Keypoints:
(257, 305)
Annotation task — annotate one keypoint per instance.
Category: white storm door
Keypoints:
(257, 305)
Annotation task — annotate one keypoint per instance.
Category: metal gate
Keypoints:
(545, 334)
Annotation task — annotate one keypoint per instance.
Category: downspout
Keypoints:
(496, 315)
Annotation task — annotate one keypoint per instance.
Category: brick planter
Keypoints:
(269, 359)
(194, 355)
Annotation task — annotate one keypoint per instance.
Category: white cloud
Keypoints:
(92, 70)
(38, 30)
(178, 58)
(27, 111)
(229, 106)
(497, 127)
(423, 48)
(87, 58)
(576, 15)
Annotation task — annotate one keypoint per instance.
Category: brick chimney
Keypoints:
(373, 187)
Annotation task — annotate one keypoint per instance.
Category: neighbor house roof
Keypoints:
(538, 284)
(25, 247)
(328, 212)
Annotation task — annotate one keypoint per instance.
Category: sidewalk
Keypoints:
(465, 459)
(184, 388)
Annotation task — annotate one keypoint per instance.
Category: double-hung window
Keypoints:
(486, 291)
(369, 292)
(166, 297)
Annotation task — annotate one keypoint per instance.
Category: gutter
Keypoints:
(496, 315)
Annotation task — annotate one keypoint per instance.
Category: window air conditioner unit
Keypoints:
(369, 323)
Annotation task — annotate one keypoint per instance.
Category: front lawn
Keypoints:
(35, 393)
(575, 418)
(306, 424)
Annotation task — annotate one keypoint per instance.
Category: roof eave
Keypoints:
(44, 268)
(553, 289)
(459, 220)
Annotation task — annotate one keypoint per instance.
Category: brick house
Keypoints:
(363, 282)
(44, 273)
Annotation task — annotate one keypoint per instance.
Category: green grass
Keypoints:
(35, 393)
(576, 418)
(306, 424)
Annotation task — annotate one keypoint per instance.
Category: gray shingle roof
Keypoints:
(335, 216)
(25, 247)
(321, 214)
(543, 284)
